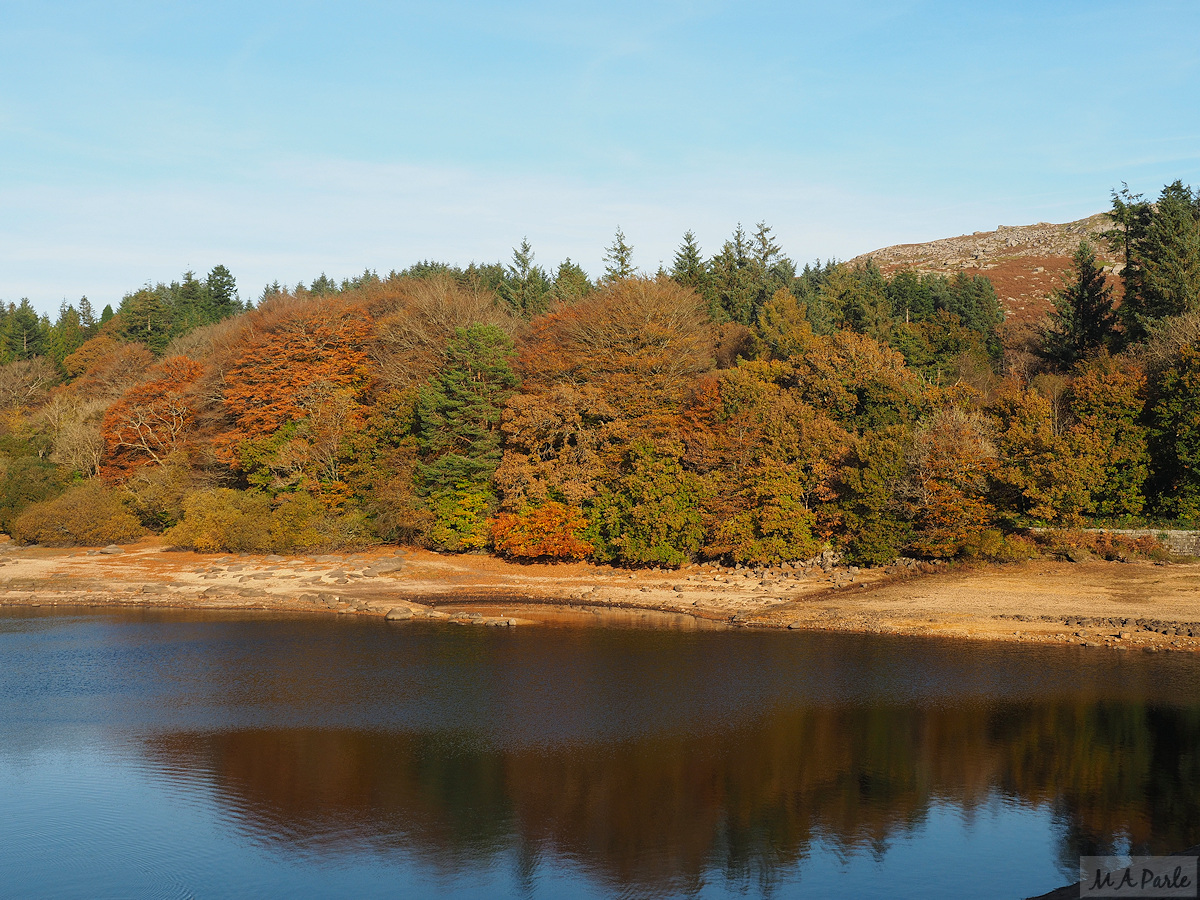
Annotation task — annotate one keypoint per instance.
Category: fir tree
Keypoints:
(26, 332)
(1161, 243)
(87, 318)
(525, 286)
(689, 268)
(459, 410)
(1083, 321)
(618, 258)
(570, 282)
(222, 292)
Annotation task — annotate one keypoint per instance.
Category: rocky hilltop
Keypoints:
(1026, 263)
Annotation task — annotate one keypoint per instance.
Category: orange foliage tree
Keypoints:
(952, 459)
(551, 530)
(105, 367)
(151, 420)
(772, 461)
(294, 391)
(596, 376)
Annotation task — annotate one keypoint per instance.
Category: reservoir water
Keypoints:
(184, 754)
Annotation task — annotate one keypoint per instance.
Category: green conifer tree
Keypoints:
(525, 288)
(1082, 321)
(222, 293)
(618, 258)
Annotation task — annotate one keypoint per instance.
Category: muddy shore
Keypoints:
(1135, 606)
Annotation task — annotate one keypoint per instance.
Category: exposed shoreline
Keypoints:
(1121, 605)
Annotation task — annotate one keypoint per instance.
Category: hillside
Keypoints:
(1026, 263)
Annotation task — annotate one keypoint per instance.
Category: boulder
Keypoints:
(398, 614)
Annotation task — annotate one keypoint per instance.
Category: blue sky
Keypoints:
(140, 140)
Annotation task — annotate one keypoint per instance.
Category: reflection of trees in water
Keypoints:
(748, 802)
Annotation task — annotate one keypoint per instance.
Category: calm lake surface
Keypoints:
(182, 754)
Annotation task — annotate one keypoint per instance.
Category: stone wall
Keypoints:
(1177, 541)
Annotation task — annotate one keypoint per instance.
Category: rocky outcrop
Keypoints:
(1026, 263)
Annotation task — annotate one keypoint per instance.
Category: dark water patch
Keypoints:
(257, 755)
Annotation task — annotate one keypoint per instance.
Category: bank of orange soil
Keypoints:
(1134, 605)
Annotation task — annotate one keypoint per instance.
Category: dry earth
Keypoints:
(1026, 263)
(1125, 605)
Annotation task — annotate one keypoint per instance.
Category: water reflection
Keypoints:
(653, 762)
(665, 809)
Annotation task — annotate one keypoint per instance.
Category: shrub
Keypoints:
(87, 513)
(551, 530)
(223, 520)
(155, 494)
(300, 522)
(1105, 544)
(459, 518)
(994, 546)
(226, 520)
(26, 480)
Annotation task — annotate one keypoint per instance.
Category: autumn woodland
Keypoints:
(731, 407)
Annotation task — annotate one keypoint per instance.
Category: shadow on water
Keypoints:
(650, 760)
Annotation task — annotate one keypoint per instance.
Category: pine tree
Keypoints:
(222, 292)
(570, 282)
(618, 258)
(525, 286)
(68, 333)
(87, 317)
(1170, 254)
(192, 304)
(321, 286)
(1161, 242)
(26, 332)
(459, 410)
(689, 268)
(274, 289)
(738, 286)
(1083, 321)
(145, 319)
(458, 432)
(765, 250)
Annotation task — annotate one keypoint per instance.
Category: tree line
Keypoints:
(732, 407)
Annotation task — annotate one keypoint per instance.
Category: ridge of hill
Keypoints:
(1026, 263)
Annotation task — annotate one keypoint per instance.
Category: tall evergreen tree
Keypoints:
(746, 273)
(525, 287)
(1175, 437)
(87, 317)
(458, 433)
(1083, 320)
(191, 304)
(766, 251)
(459, 410)
(222, 293)
(1170, 253)
(25, 332)
(68, 333)
(1161, 242)
(734, 284)
(322, 286)
(570, 282)
(146, 319)
(689, 268)
(618, 258)
(274, 289)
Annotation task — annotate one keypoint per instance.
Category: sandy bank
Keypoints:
(1131, 605)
